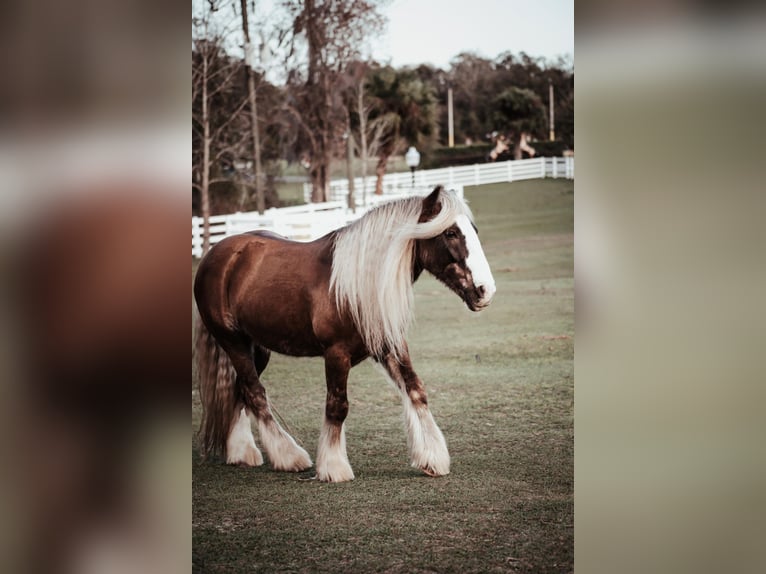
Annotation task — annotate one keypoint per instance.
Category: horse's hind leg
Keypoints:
(428, 449)
(332, 460)
(240, 444)
(282, 450)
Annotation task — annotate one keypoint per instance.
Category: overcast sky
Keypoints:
(434, 31)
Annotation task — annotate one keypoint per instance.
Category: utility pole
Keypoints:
(550, 102)
(249, 63)
(450, 118)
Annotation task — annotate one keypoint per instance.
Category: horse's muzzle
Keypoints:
(479, 298)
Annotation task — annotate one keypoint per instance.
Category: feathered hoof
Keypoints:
(439, 466)
(435, 462)
(335, 473)
(295, 461)
(250, 456)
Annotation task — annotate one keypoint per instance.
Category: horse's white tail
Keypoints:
(218, 394)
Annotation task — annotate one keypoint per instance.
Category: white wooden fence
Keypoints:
(301, 222)
(477, 174)
(312, 220)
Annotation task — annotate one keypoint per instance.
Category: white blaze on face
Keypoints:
(476, 262)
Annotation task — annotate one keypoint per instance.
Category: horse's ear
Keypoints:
(431, 205)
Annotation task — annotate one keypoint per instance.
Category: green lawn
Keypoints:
(501, 387)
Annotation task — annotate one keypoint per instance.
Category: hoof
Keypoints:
(296, 461)
(244, 455)
(433, 468)
(338, 475)
(432, 473)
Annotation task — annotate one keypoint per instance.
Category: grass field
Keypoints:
(500, 386)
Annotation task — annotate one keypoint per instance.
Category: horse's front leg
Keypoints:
(428, 449)
(332, 461)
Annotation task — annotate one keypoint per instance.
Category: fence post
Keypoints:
(196, 238)
(555, 168)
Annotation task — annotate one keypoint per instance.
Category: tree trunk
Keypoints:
(327, 136)
(205, 183)
(244, 191)
(318, 90)
(350, 170)
(517, 147)
(380, 171)
(318, 178)
(259, 196)
(363, 139)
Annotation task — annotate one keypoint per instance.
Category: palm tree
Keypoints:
(522, 112)
(404, 112)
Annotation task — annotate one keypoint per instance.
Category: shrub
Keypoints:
(545, 148)
(458, 155)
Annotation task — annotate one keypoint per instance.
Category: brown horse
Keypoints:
(346, 296)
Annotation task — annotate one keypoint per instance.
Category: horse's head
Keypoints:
(455, 256)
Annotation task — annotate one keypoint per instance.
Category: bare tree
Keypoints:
(214, 76)
(332, 33)
(371, 133)
(381, 131)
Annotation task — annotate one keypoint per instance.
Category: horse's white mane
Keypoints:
(372, 267)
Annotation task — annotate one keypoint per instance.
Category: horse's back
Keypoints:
(266, 285)
(243, 249)
(241, 258)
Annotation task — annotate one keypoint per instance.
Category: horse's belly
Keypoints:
(296, 346)
(289, 333)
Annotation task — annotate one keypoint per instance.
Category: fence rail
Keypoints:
(312, 220)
